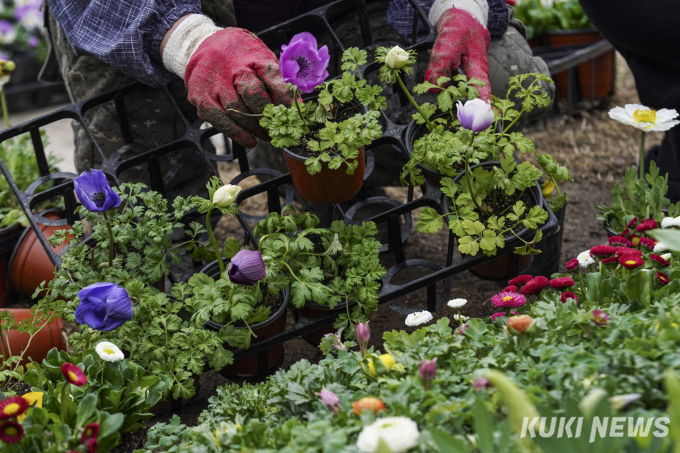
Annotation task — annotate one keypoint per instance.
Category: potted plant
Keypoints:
(324, 140)
(334, 270)
(494, 201)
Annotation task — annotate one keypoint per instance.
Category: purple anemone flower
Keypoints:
(7, 32)
(95, 192)
(246, 268)
(476, 115)
(302, 64)
(33, 41)
(103, 306)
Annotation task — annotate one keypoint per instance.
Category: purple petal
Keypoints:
(103, 306)
(91, 187)
(246, 268)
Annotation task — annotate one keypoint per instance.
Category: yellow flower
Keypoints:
(386, 359)
(547, 189)
(34, 400)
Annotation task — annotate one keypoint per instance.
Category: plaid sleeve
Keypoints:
(123, 33)
(400, 17)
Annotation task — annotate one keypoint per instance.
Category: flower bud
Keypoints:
(481, 383)
(386, 360)
(396, 58)
(428, 371)
(475, 115)
(8, 66)
(334, 247)
(518, 325)
(225, 195)
(368, 403)
(331, 400)
(246, 267)
(600, 318)
(363, 335)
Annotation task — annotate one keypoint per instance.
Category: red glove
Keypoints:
(462, 41)
(233, 69)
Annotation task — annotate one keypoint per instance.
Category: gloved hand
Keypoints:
(462, 41)
(226, 69)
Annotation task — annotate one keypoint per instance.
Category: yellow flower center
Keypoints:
(645, 115)
(11, 409)
(109, 351)
(11, 430)
(73, 377)
(507, 298)
(631, 262)
(636, 241)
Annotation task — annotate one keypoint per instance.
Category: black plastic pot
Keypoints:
(413, 132)
(313, 310)
(547, 262)
(248, 366)
(500, 267)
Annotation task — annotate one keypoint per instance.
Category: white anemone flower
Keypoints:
(584, 259)
(668, 222)
(461, 318)
(418, 318)
(645, 118)
(660, 247)
(398, 433)
(109, 352)
(667, 256)
(457, 303)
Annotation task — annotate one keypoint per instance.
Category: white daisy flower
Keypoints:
(399, 433)
(660, 247)
(461, 318)
(418, 318)
(667, 256)
(645, 118)
(584, 259)
(109, 352)
(668, 222)
(457, 303)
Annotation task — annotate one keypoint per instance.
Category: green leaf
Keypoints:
(430, 221)
(468, 245)
(231, 248)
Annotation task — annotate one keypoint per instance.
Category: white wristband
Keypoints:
(478, 9)
(185, 40)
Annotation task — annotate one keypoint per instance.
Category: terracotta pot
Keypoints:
(499, 268)
(9, 237)
(327, 186)
(247, 366)
(312, 310)
(47, 338)
(30, 265)
(604, 64)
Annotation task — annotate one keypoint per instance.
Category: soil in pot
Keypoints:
(327, 186)
(248, 366)
(47, 338)
(30, 264)
(9, 237)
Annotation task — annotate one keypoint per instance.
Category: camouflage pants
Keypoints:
(153, 121)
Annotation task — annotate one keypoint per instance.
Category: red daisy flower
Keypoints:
(620, 240)
(569, 295)
(511, 289)
(625, 233)
(91, 446)
(508, 299)
(621, 251)
(572, 264)
(648, 224)
(610, 260)
(562, 282)
(13, 406)
(631, 261)
(11, 432)
(632, 222)
(502, 313)
(602, 250)
(73, 374)
(656, 258)
(520, 280)
(534, 285)
(91, 431)
(663, 278)
(649, 243)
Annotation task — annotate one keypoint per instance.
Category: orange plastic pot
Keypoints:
(604, 64)
(9, 237)
(30, 265)
(327, 186)
(47, 338)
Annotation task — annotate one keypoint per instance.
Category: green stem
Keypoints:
(213, 241)
(62, 402)
(642, 157)
(583, 288)
(5, 112)
(430, 126)
(297, 104)
(513, 122)
(469, 177)
(111, 243)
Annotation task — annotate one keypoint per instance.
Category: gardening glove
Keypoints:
(226, 71)
(462, 41)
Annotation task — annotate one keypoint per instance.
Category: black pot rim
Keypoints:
(325, 307)
(8, 229)
(535, 191)
(216, 326)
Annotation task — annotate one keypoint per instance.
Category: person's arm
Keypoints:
(126, 34)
